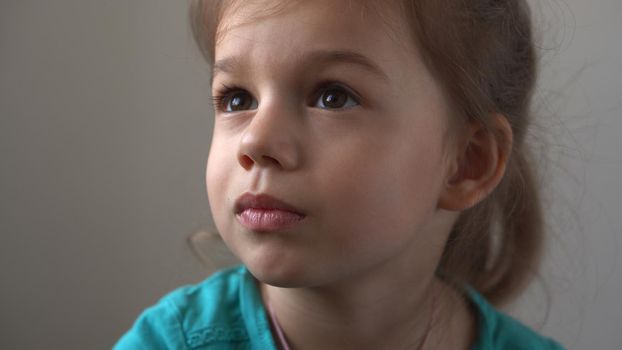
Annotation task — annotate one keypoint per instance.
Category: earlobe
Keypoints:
(479, 164)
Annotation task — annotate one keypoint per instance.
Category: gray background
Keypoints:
(105, 129)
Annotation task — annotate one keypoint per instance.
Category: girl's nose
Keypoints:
(270, 140)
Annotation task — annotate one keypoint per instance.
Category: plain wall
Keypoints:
(105, 124)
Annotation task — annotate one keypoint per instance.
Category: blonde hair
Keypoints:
(482, 53)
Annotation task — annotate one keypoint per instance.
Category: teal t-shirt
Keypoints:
(226, 312)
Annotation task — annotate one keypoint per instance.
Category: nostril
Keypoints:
(271, 160)
(246, 161)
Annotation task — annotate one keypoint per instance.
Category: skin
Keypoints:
(381, 181)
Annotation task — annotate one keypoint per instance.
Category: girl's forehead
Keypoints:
(291, 26)
(258, 9)
(343, 17)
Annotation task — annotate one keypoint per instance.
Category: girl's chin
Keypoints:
(284, 274)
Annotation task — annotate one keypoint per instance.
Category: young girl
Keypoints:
(368, 167)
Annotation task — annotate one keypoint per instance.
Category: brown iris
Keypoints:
(239, 101)
(334, 98)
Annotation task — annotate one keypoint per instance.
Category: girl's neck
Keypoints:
(379, 316)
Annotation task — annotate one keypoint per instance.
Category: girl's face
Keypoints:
(333, 112)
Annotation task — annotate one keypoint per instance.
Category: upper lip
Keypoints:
(262, 201)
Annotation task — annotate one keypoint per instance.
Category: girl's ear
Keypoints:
(478, 165)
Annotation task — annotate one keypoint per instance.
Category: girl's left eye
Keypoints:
(336, 97)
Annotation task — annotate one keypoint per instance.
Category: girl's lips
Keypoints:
(268, 219)
(265, 213)
(262, 201)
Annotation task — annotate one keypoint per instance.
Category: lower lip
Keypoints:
(268, 219)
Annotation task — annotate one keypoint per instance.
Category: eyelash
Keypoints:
(226, 91)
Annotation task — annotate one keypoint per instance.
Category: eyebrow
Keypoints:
(323, 57)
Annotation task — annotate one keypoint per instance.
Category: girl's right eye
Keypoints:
(230, 101)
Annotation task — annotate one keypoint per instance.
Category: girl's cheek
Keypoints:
(217, 165)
